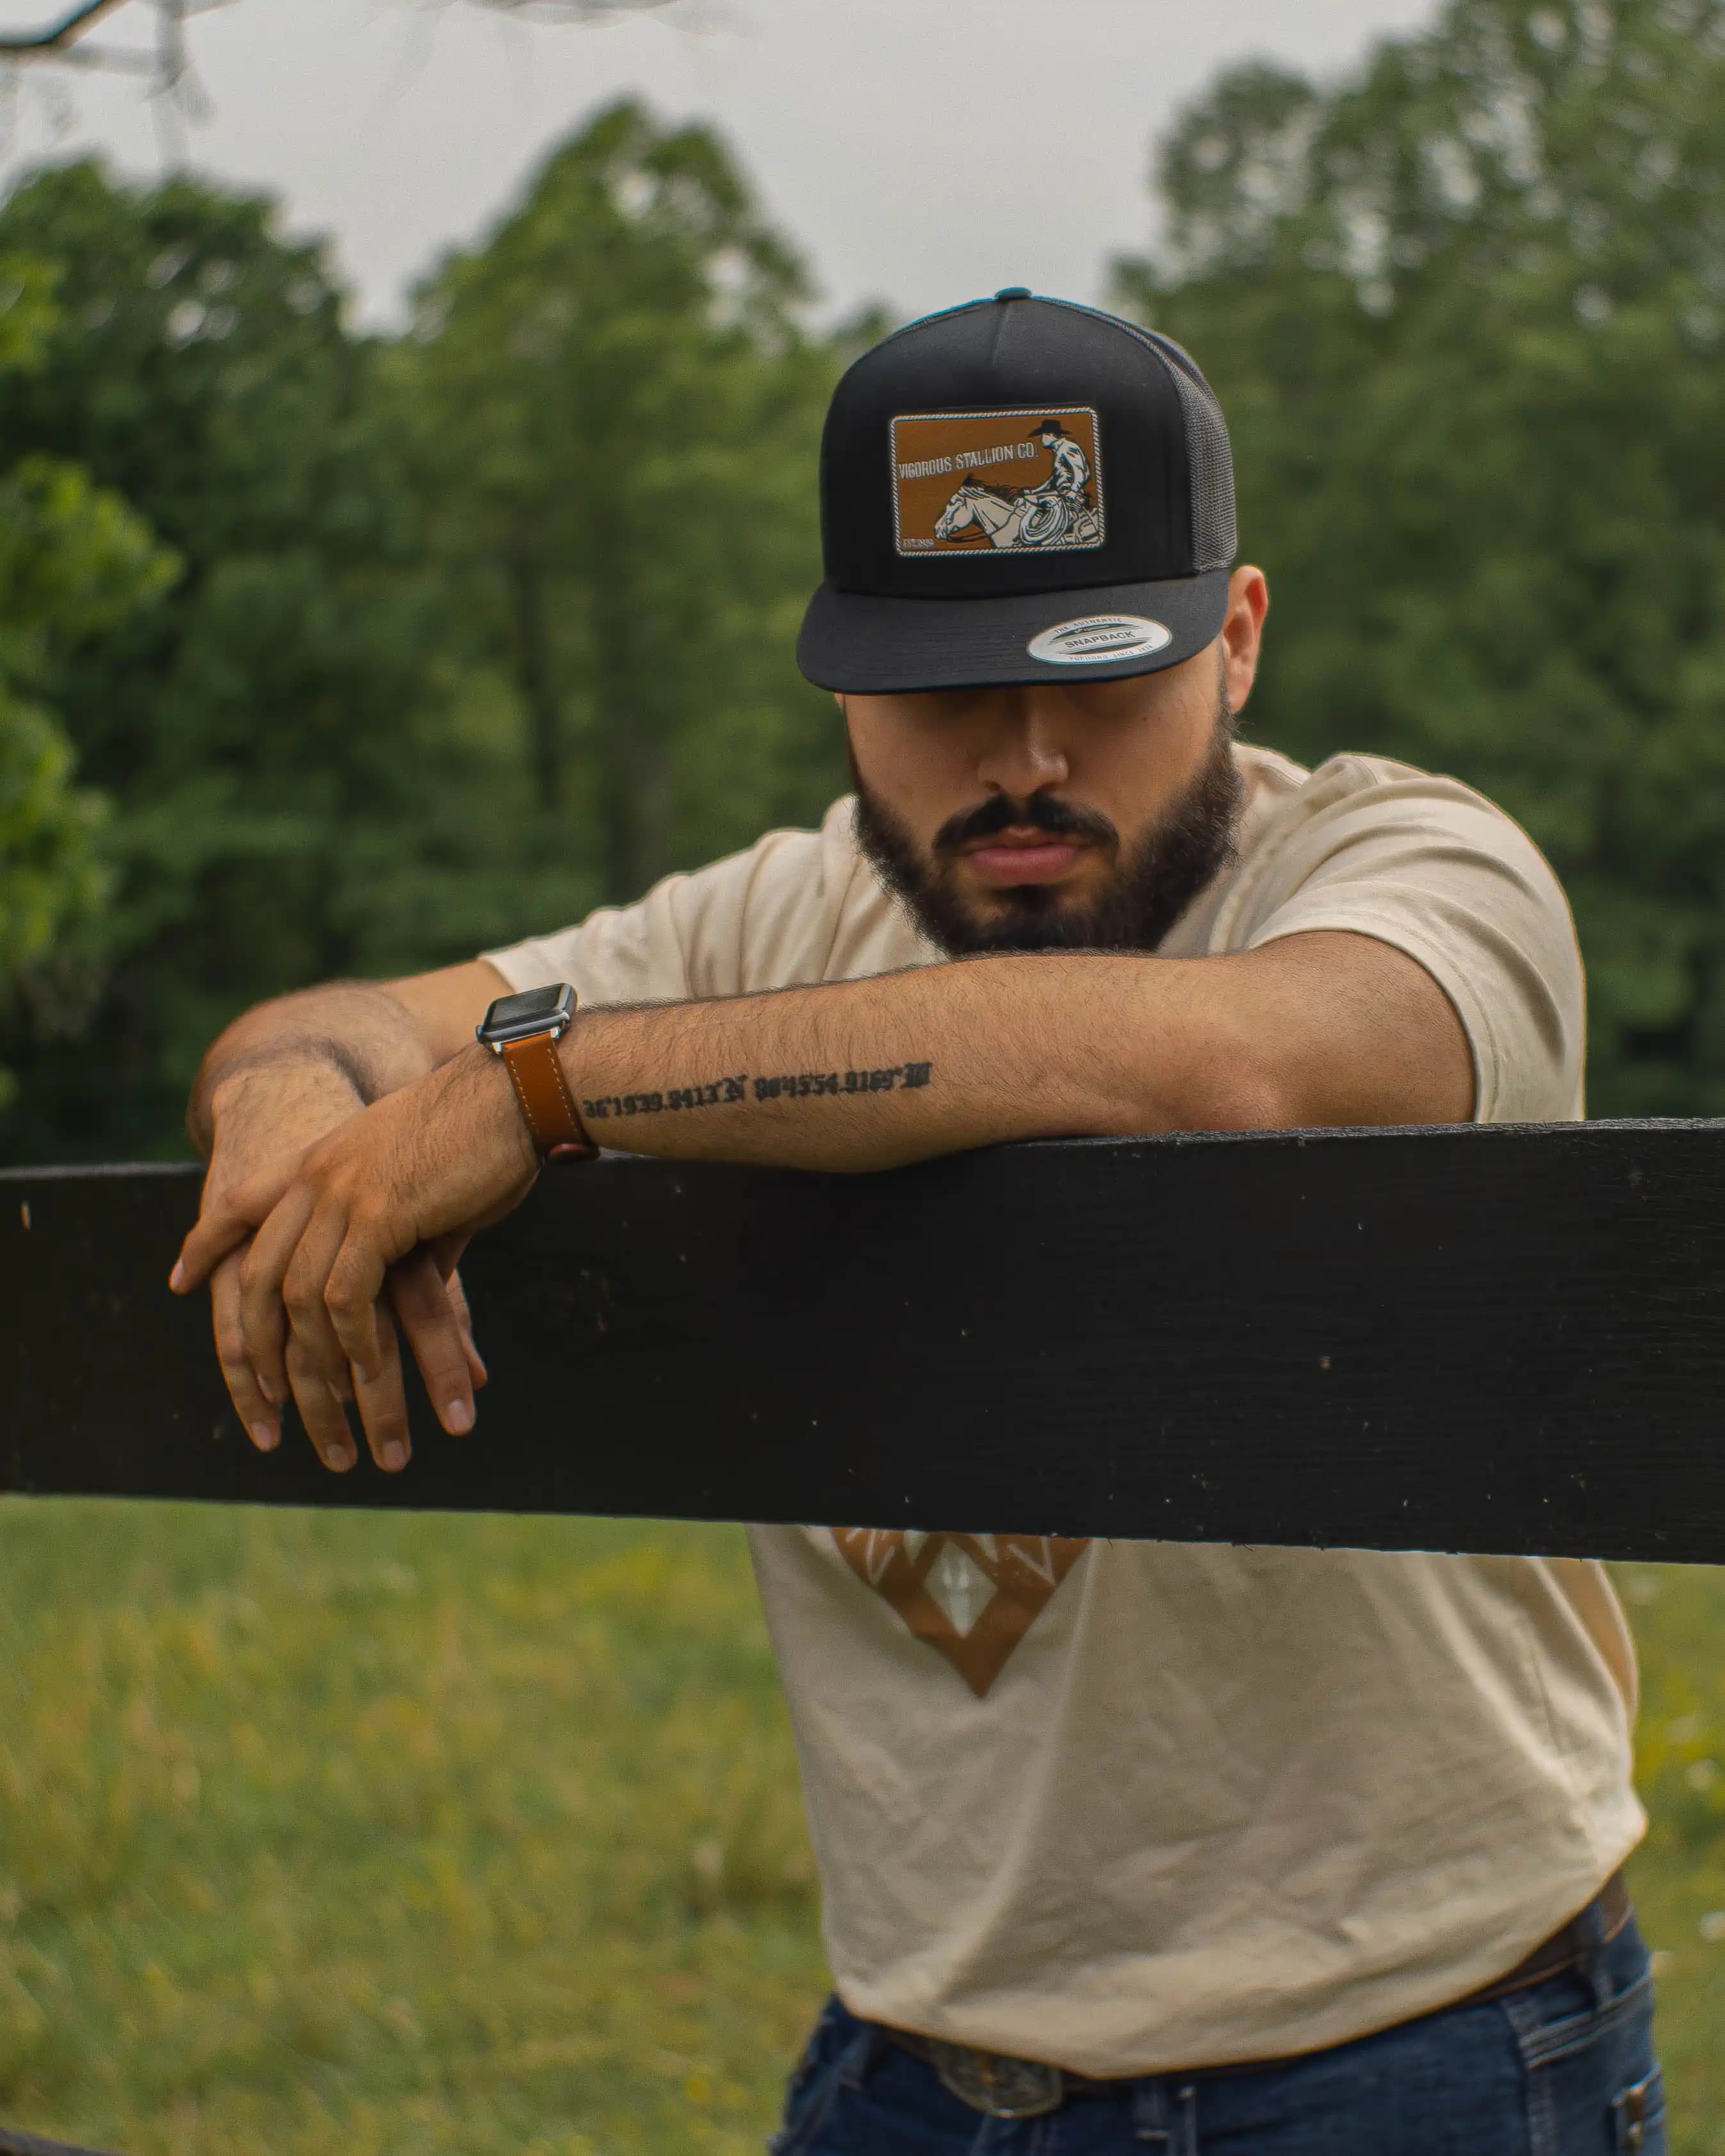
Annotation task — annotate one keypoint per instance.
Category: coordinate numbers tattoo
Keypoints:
(725, 1092)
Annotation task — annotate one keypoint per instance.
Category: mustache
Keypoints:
(1039, 812)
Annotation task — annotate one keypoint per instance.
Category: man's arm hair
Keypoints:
(355, 1040)
(1325, 1028)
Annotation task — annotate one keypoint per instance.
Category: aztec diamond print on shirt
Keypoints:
(971, 1598)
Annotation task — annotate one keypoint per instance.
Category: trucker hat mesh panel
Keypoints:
(1215, 535)
(1215, 532)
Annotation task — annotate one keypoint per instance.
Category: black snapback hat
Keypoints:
(1018, 490)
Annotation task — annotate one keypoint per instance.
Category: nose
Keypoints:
(1026, 751)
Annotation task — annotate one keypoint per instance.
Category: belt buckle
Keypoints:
(1002, 2088)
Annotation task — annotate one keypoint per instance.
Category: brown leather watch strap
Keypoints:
(545, 1099)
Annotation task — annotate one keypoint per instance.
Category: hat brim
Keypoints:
(863, 644)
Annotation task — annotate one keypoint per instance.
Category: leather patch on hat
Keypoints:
(1018, 482)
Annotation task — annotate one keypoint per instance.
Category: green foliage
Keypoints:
(74, 562)
(615, 418)
(1466, 313)
(28, 311)
(472, 630)
(51, 880)
(250, 724)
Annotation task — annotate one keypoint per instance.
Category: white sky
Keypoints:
(918, 151)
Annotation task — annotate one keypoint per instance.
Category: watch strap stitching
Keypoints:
(566, 1097)
(522, 1096)
(572, 1137)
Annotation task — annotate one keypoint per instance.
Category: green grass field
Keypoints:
(327, 1836)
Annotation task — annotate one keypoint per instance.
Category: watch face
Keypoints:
(532, 1010)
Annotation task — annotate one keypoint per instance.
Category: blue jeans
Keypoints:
(1563, 2068)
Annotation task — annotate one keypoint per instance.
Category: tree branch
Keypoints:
(58, 41)
(58, 36)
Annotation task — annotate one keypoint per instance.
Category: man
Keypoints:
(1069, 479)
(1122, 1845)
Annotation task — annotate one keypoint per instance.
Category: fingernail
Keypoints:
(457, 1417)
(176, 1278)
(340, 1457)
(395, 1454)
(265, 1436)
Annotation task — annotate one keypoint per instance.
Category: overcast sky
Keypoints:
(919, 151)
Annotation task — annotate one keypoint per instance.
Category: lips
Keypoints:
(1038, 857)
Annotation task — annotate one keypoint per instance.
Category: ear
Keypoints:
(1242, 633)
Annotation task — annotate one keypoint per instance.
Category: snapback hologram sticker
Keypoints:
(1093, 638)
(1023, 481)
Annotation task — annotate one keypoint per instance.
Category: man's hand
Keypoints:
(264, 1125)
(366, 1221)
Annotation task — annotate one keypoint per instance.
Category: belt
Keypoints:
(1005, 2088)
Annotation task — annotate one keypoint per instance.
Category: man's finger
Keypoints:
(263, 1318)
(303, 1296)
(353, 1285)
(321, 1410)
(218, 1231)
(222, 1226)
(382, 1403)
(428, 1313)
(448, 1250)
(261, 1419)
(463, 1317)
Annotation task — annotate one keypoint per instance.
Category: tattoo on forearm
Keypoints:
(727, 1092)
(722, 1093)
(804, 1083)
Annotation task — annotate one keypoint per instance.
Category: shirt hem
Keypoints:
(1301, 2037)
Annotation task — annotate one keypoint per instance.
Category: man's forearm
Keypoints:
(1321, 1029)
(870, 1074)
(353, 1039)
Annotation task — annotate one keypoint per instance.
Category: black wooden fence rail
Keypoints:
(1499, 1339)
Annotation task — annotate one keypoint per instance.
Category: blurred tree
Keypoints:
(614, 416)
(1466, 312)
(470, 630)
(73, 562)
(264, 726)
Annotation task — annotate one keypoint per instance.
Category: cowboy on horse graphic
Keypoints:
(1060, 512)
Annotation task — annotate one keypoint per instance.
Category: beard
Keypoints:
(1153, 881)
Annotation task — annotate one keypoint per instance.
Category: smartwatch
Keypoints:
(525, 1030)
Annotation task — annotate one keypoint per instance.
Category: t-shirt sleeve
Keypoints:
(1432, 867)
(722, 931)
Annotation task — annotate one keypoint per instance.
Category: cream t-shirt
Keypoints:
(1132, 1807)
